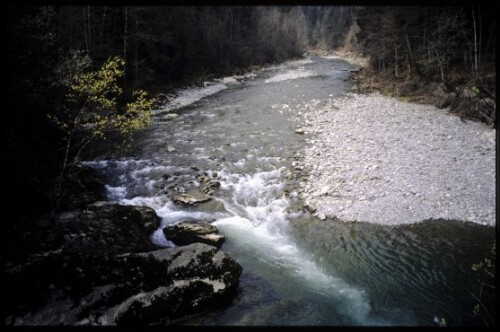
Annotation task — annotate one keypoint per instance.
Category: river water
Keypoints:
(297, 270)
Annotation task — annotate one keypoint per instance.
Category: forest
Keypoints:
(410, 47)
(90, 145)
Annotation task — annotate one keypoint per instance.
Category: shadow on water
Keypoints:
(412, 273)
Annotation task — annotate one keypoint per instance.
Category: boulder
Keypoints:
(102, 228)
(99, 268)
(213, 184)
(190, 198)
(158, 287)
(192, 231)
(202, 178)
(210, 186)
(200, 275)
(107, 227)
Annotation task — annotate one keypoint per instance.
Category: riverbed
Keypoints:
(297, 269)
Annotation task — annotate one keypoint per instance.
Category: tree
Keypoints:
(92, 110)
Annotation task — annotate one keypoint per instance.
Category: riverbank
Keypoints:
(467, 97)
(95, 264)
(352, 57)
(175, 96)
(377, 159)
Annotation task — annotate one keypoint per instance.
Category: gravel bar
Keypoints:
(376, 159)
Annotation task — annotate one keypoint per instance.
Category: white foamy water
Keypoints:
(259, 224)
(116, 193)
(142, 176)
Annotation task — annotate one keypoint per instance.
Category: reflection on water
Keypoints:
(420, 271)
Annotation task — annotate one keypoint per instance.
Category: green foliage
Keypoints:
(486, 269)
(98, 89)
(137, 114)
(93, 100)
(92, 110)
(475, 90)
(487, 265)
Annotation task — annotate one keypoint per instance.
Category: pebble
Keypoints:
(395, 155)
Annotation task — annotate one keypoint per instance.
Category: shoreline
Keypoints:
(172, 97)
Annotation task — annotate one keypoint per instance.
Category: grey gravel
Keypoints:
(376, 159)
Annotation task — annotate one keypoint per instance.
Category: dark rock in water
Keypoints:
(201, 276)
(99, 269)
(213, 184)
(208, 191)
(210, 186)
(202, 178)
(190, 198)
(192, 231)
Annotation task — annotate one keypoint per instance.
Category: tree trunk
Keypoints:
(102, 25)
(475, 38)
(396, 61)
(441, 66)
(491, 34)
(125, 44)
(480, 37)
(89, 31)
(411, 62)
(85, 32)
(136, 70)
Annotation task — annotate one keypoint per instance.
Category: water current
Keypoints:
(297, 270)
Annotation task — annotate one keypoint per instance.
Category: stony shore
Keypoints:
(95, 264)
(376, 159)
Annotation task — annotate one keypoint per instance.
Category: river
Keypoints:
(297, 270)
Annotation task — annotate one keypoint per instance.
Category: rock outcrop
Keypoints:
(97, 266)
(192, 231)
(200, 277)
